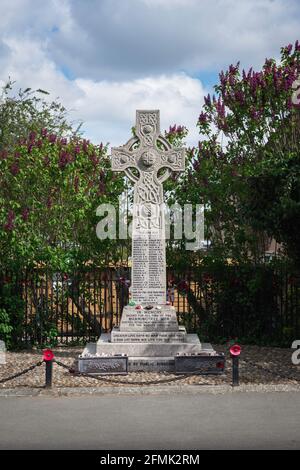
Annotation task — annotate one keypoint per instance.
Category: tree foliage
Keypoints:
(246, 168)
(51, 182)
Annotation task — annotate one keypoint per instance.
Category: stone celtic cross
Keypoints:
(148, 160)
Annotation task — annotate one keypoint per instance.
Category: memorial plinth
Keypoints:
(148, 334)
(151, 339)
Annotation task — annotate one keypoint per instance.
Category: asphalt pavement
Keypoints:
(226, 421)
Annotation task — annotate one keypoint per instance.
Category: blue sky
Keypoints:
(106, 58)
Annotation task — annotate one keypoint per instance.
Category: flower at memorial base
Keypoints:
(235, 350)
(138, 307)
(220, 365)
(48, 355)
(131, 303)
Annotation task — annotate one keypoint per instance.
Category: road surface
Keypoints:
(231, 421)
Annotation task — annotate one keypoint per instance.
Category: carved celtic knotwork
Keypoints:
(173, 159)
(122, 160)
(153, 153)
(149, 191)
(147, 126)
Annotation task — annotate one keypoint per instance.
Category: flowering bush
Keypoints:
(50, 187)
(246, 169)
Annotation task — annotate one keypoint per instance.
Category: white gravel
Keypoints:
(272, 361)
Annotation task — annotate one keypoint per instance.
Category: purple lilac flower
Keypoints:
(85, 145)
(289, 48)
(77, 149)
(25, 214)
(14, 169)
(239, 96)
(32, 136)
(207, 100)
(3, 154)
(64, 159)
(10, 221)
(52, 138)
(220, 107)
(203, 118)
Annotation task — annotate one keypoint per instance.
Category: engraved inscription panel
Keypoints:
(104, 365)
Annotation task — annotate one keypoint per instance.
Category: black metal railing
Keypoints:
(252, 303)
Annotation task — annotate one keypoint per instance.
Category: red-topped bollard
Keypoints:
(235, 351)
(48, 357)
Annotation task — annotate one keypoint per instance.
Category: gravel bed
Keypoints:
(270, 366)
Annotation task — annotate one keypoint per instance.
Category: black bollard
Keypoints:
(48, 357)
(235, 351)
(235, 371)
(49, 369)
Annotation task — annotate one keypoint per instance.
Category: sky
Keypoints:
(106, 58)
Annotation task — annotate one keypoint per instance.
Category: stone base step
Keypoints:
(208, 362)
(192, 345)
(118, 336)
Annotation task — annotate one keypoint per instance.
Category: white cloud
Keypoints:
(115, 39)
(128, 54)
(107, 108)
(112, 105)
